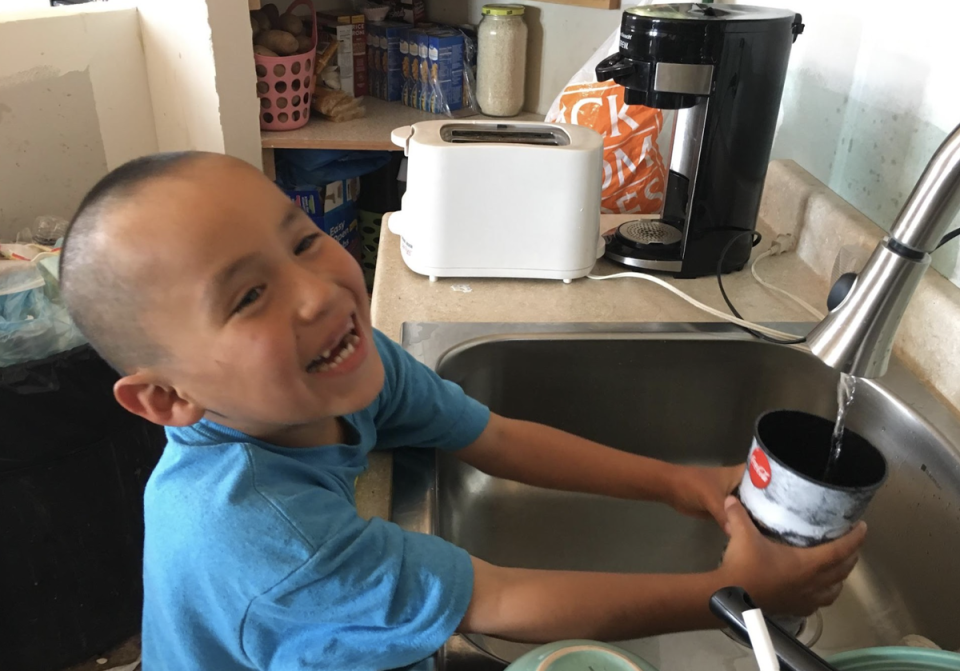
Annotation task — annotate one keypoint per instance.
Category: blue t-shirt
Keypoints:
(255, 557)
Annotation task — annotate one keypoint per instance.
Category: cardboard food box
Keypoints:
(333, 209)
(349, 30)
(445, 60)
(373, 60)
(410, 67)
(423, 50)
(391, 63)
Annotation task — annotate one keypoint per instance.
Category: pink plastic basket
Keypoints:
(285, 84)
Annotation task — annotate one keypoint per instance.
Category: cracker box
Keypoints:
(349, 30)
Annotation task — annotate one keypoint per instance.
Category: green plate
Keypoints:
(896, 659)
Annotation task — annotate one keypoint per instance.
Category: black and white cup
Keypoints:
(783, 486)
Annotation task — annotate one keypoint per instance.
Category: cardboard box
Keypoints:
(374, 60)
(410, 67)
(333, 209)
(391, 64)
(349, 30)
(445, 60)
(414, 11)
(423, 50)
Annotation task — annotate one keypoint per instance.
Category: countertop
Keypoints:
(400, 295)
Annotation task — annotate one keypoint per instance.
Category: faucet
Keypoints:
(856, 337)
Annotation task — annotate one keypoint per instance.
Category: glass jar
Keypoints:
(501, 60)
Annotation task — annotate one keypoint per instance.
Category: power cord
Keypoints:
(948, 237)
(751, 329)
(756, 330)
(693, 301)
(778, 247)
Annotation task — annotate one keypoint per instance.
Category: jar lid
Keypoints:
(502, 10)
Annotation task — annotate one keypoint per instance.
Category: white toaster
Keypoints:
(492, 199)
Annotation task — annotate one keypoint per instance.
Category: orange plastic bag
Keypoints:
(634, 176)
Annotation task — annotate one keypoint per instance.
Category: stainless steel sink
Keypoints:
(686, 393)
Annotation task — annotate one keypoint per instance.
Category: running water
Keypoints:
(846, 389)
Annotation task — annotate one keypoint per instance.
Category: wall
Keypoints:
(202, 77)
(871, 92)
(74, 103)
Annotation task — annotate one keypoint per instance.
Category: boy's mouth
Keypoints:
(334, 357)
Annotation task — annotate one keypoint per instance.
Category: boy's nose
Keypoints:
(314, 296)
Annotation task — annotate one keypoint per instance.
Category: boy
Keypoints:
(246, 332)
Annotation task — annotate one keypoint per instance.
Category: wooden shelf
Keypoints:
(371, 132)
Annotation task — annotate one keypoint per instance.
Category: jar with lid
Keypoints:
(501, 60)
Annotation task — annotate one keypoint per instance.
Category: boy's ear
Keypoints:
(157, 403)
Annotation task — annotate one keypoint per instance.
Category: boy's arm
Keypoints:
(539, 455)
(541, 606)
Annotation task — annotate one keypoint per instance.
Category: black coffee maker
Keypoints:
(722, 68)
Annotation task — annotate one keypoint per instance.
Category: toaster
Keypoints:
(492, 199)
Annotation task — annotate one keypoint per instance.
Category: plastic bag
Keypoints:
(634, 176)
(33, 323)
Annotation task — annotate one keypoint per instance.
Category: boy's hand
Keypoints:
(701, 491)
(785, 580)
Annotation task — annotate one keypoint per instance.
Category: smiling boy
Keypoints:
(245, 331)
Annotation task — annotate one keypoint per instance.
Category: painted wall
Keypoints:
(74, 103)
(201, 74)
(869, 97)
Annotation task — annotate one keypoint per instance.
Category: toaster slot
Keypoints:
(504, 133)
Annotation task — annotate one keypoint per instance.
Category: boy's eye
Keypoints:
(306, 243)
(247, 299)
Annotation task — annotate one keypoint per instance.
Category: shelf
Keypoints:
(371, 132)
(594, 4)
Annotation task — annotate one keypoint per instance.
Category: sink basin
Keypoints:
(686, 393)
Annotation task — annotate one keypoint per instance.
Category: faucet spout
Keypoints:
(857, 336)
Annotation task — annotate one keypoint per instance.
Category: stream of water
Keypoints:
(846, 389)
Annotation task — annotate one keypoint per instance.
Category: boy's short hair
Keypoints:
(102, 302)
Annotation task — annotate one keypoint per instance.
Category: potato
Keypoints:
(254, 27)
(263, 51)
(273, 14)
(305, 43)
(279, 41)
(292, 24)
(261, 18)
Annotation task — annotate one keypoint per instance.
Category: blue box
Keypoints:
(445, 62)
(410, 67)
(392, 36)
(423, 79)
(333, 209)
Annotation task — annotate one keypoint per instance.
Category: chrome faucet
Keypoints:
(856, 337)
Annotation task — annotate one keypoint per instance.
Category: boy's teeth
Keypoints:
(347, 347)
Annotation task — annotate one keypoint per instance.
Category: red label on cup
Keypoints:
(760, 473)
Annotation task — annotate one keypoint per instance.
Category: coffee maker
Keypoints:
(722, 68)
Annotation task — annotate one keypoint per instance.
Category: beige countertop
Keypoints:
(400, 295)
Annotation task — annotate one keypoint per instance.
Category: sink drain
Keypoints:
(809, 633)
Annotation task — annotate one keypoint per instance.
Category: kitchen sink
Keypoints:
(686, 393)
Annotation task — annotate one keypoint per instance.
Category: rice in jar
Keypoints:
(501, 60)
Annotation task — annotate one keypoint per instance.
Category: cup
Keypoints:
(783, 487)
